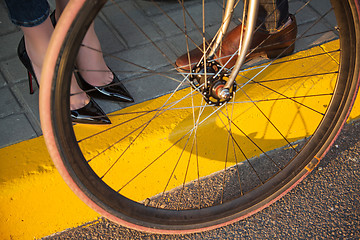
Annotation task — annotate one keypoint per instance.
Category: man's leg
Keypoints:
(272, 14)
(276, 35)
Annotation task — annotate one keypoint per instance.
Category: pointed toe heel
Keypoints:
(90, 113)
(112, 91)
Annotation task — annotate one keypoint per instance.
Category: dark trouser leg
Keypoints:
(272, 14)
(28, 13)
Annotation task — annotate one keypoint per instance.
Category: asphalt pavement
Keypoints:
(326, 205)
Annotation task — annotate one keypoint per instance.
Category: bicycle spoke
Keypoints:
(253, 142)
(183, 153)
(270, 122)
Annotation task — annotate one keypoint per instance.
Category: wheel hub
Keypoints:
(211, 85)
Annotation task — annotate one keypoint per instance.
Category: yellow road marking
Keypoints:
(34, 200)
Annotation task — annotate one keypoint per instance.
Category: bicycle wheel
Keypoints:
(177, 161)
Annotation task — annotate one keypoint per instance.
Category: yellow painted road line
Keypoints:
(34, 200)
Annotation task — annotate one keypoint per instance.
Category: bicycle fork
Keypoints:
(222, 92)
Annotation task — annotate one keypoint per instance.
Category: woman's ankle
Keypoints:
(36, 42)
(78, 100)
(90, 61)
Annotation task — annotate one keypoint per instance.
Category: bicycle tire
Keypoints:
(69, 155)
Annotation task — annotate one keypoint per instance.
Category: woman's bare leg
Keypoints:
(36, 42)
(90, 56)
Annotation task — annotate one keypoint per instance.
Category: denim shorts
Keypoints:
(28, 13)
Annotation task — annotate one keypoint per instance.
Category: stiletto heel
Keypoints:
(90, 113)
(24, 58)
(30, 83)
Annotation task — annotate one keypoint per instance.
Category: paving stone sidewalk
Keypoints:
(19, 114)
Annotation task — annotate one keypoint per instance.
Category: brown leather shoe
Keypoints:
(263, 43)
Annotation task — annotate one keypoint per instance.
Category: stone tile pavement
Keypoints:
(18, 111)
(19, 114)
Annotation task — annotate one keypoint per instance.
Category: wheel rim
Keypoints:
(177, 128)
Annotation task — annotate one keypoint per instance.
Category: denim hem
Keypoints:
(32, 23)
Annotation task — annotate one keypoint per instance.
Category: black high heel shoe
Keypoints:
(24, 58)
(113, 91)
(91, 113)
